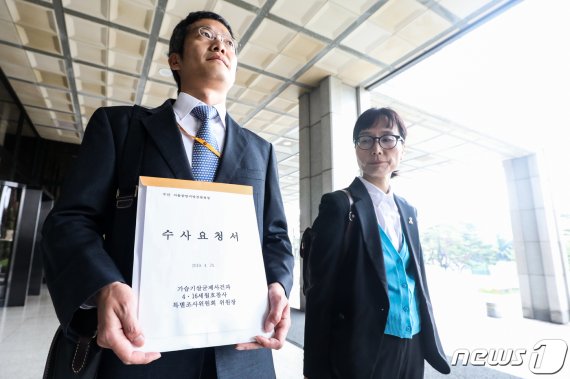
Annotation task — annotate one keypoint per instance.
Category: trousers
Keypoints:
(400, 358)
(186, 364)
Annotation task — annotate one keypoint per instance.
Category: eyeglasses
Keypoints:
(386, 142)
(208, 33)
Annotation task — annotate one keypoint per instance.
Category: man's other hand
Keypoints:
(278, 319)
(118, 328)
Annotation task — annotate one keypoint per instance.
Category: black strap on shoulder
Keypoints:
(350, 203)
(130, 162)
(349, 230)
(342, 269)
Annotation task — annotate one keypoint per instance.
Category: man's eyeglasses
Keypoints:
(208, 33)
(386, 142)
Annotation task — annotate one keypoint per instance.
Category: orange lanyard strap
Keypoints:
(201, 141)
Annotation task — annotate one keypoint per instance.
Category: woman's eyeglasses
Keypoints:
(386, 142)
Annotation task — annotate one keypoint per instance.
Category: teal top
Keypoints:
(404, 314)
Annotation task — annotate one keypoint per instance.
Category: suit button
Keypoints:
(341, 316)
(406, 309)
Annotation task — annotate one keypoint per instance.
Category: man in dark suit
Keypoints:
(88, 243)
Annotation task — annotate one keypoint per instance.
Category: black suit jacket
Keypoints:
(88, 244)
(347, 303)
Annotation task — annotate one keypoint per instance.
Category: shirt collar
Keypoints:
(185, 103)
(377, 195)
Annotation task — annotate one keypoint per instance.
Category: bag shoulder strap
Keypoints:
(349, 230)
(130, 162)
(350, 203)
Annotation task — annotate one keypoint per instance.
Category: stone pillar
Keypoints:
(326, 153)
(541, 261)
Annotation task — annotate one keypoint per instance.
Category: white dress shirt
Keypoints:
(386, 211)
(182, 108)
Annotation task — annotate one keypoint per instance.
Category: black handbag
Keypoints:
(74, 360)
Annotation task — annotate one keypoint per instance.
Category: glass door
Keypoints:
(10, 195)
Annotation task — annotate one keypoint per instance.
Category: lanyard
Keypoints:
(201, 141)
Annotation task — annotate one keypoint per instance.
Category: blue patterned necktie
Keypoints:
(204, 161)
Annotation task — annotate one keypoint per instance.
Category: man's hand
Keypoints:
(118, 327)
(278, 319)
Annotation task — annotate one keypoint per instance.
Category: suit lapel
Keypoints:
(367, 219)
(161, 127)
(410, 230)
(235, 147)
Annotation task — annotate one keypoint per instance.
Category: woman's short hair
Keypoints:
(369, 118)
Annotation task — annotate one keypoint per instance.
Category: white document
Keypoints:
(198, 271)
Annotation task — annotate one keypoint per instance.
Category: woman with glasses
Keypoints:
(368, 310)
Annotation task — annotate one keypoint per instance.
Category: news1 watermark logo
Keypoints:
(546, 357)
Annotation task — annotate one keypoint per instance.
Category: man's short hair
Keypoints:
(180, 31)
